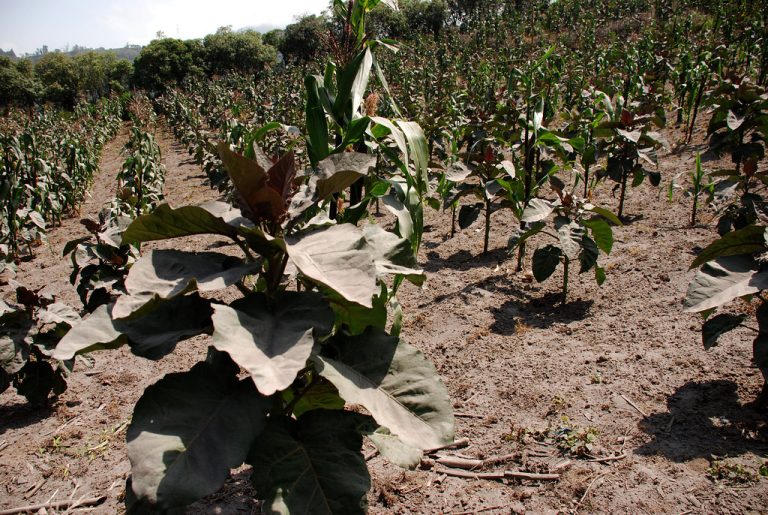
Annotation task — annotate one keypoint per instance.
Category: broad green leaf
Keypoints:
(320, 395)
(353, 133)
(162, 274)
(734, 121)
(335, 256)
(601, 233)
(389, 445)
(252, 183)
(271, 341)
(747, 240)
(395, 450)
(188, 431)
(339, 171)
(352, 83)
(570, 233)
(152, 335)
(588, 255)
(537, 210)
(394, 382)
(519, 236)
(58, 313)
(722, 280)
(312, 465)
(599, 275)
(14, 346)
(392, 254)
(604, 213)
(458, 171)
(166, 222)
(719, 325)
(356, 318)
(545, 260)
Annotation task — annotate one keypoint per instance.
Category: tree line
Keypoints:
(165, 62)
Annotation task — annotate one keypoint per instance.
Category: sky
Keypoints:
(29, 24)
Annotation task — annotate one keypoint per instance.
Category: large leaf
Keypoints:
(537, 210)
(271, 341)
(390, 446)
(152, 335)
(392, 254)
(336, 257)
(570, 233)
(311, 466)
(166, 222)
(394, 382)
(588, 255)
(162, 274)
(188, 430)
(458, 171)
(58, 313)
(744, 241)
(260, 192)
(722, 280)
(356, 318)
(14, 346)
(544, 262)
(601, 233)
(734, 121)
(339, 171)
(520, 235)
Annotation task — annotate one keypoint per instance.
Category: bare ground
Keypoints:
(620, 362)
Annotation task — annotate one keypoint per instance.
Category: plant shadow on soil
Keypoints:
(21, 414)
(538, 312)
(463, 260)
(705, 419)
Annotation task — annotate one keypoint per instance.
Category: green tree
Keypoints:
(18, 84)
(166, 62)
(304, 39)
(227, 51)
(274, 38)
(59, 78)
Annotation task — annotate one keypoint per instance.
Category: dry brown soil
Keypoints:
(620, 361)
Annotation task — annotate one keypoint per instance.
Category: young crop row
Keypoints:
(100, 264)
(48, 163)
(536, 126)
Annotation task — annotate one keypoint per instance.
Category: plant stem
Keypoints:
(566, 266)
(624, 177)
(487, 226)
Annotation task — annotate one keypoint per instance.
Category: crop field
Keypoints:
(418, 257)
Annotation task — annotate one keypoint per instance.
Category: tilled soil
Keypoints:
(618, 367)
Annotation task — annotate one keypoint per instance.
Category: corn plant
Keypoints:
(140, 180)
